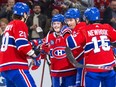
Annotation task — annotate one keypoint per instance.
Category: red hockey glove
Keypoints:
(44, 48)
(65, 29)
(36, 43)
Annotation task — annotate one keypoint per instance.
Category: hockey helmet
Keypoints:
(58, 17)
(72, 13)
(92, 14)
(20, 8)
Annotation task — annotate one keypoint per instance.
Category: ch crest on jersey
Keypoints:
(59, 53)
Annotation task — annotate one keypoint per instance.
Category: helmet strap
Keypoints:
(77, 20)
(24, 18)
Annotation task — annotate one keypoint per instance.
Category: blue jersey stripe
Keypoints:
(21, 42)
(18, 43)
(91, 45)
(50, 52)
(70, 41)
(11, 41)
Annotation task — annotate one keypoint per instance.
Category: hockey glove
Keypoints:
(36, 62)
(65, 29)
(36, 43)
(44, 48)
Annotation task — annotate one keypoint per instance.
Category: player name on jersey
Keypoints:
(97, 32)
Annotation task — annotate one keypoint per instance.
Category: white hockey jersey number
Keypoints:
(5, 40)
(104, 44)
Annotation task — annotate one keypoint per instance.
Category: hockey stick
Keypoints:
(43, 69)
(78, 65)
(45, 59)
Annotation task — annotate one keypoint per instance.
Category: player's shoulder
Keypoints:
(106, 25)
(84, 26)
(50, 35)
(18, 23)
(83, 23)
(65, 29)
(80, 25)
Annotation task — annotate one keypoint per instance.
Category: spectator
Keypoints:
(45, 7)
(3, 24)
(48, 24)
(36, 23)
(60, 5)
(30, 4)
(0, 37)
(54, 12)
(101, 5)
(110, 14)
(7, 11)
(79, 4)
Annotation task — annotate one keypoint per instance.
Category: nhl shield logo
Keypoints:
(52, 42)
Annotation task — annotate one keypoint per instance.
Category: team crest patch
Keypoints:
(51, 42)
(59, 53)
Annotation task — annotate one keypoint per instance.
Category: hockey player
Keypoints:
(62, 71)
(72, 19)
(15, 48)
(95, 38)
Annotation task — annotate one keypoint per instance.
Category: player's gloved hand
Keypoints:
(65, 29)
(36, 43)
(35, 63)
(44, 48)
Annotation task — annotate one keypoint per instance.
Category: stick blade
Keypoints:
(72, 59)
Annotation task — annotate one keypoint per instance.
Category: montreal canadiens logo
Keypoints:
(59, 53)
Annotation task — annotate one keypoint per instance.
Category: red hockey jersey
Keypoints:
(60, 65)
(95, 40)
(15, 47)
(78, 54)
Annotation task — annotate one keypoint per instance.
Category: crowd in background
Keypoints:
(41, 12)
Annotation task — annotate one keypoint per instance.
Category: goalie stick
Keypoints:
(78, 65)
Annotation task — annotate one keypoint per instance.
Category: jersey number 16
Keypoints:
(104, 44)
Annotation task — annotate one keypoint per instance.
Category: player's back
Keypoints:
(79, 26)
(97, 47)
(12, 51)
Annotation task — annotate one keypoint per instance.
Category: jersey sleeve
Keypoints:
(75, 41)
(21, 39)
(112, 34)
(65, 31)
